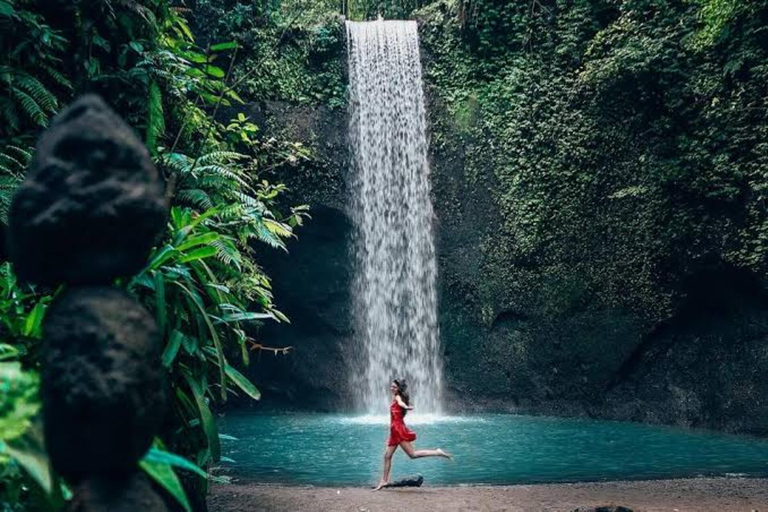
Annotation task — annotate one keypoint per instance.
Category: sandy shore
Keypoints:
(694, 495)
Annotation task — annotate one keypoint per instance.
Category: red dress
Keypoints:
(398, 432)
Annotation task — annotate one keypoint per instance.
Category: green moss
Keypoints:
(623, 156)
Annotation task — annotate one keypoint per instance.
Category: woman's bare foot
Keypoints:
(445, 454)
(380, 486)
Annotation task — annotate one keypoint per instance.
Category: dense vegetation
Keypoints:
(609, 163)
(202, 282)
(625, 136)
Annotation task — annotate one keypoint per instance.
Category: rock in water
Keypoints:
(102, 382)
(408, 481)
(92, 204)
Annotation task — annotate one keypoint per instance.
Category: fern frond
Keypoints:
(228, 253)
(30, 107)
(8, 114)
(215, 182)
(35, 88)
(251, 202)
(57, 77)
(218, 157)
(22, 154)
(278, 228)
(260, 232)
(223, 171)
(196, 198)
(232, 212)
(176, 162)
(8, 185)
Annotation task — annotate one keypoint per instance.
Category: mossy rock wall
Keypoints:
(598, 223)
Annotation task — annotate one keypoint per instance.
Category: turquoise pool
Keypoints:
(328, 450)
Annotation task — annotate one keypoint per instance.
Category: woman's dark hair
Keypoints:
(402, 390)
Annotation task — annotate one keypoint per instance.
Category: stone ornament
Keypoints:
(91, 205)
(88, 212)
(102, 382)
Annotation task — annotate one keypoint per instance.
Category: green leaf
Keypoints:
(242, 382)
(29, 453)
(8, 352)
(172, 348)
(206, 418)
(240, 317)
(224, 46)
(204, 239)
(196, 57)
(171, 459)
(160, 306)
(155, 118)
(214, 71)
(6, 9)
(34, 320)
(161, 257)
(197, 301)
(199, 254)
(164, 475)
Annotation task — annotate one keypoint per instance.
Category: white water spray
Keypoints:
(394, 287)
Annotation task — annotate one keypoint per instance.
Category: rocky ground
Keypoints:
(694, 495)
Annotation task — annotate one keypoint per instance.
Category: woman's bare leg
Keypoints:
(387, 466)
(417, 454)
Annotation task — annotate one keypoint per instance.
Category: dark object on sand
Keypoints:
(609, 508)
(408, 481)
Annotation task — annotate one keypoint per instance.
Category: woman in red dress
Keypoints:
(399, 434)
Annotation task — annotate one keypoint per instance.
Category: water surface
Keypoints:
(330, 450)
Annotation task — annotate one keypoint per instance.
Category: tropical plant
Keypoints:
(23, 465)
(202, 282)
(13, 163)
(29, 68)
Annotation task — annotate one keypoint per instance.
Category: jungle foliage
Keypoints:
(623, 141)
(203, 282)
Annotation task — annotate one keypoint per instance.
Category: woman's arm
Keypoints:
(402, 404)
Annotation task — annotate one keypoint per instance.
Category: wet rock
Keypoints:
(407, 481)
(92, 204)
(102, 382)
(126, 493)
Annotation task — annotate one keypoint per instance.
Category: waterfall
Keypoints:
(395, 302)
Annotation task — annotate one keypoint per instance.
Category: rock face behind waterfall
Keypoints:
(563, 332)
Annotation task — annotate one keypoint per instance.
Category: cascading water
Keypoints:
(394, 287)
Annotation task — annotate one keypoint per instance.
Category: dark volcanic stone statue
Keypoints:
(92, 204)
(102, 382)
